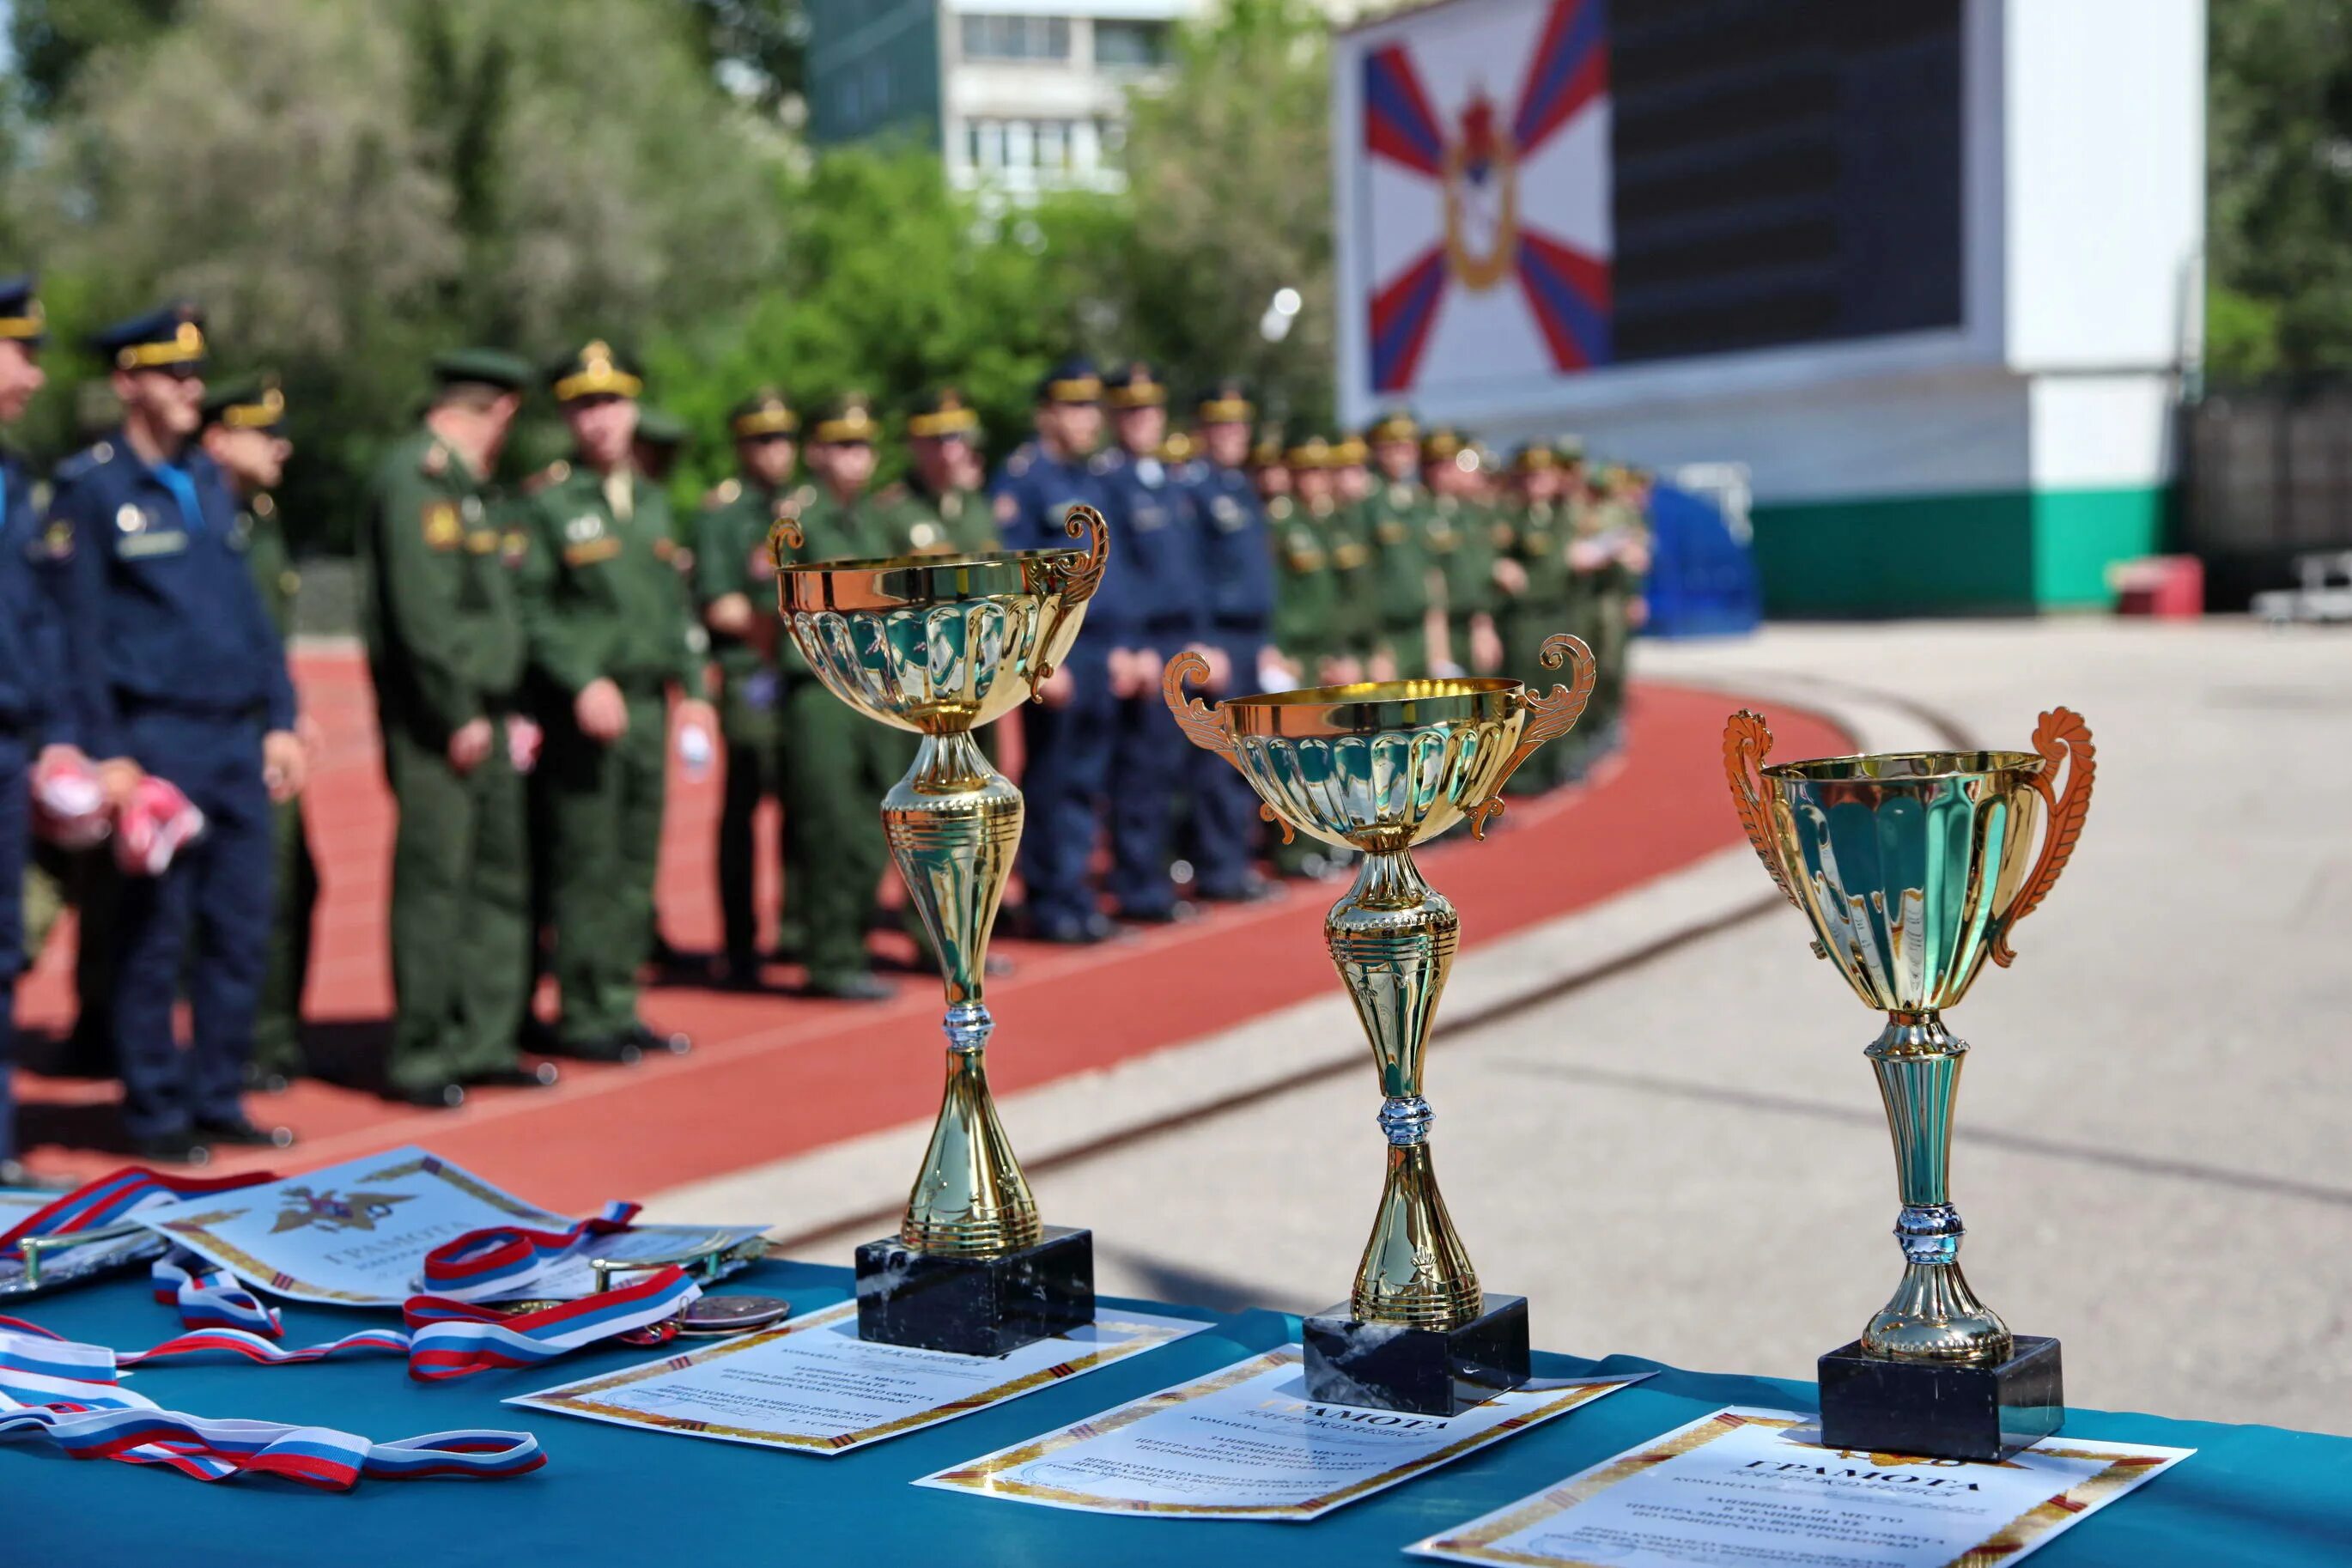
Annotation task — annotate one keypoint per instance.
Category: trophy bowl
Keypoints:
(941, 646)
(1913, 867)
(1381, 767)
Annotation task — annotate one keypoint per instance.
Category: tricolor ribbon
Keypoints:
(504, 1260)
(68, 1394)
(102, 1202)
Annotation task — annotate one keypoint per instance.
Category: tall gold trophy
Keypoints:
(941, 645)
(1914, 868)
(1381, 767)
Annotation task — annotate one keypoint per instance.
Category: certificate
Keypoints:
(355, 1235)
(816, 1387)
(1750, 1489)
(1247, 1443)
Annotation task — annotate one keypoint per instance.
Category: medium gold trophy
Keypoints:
(941, 645)
(1914, 868)
(1381, 767)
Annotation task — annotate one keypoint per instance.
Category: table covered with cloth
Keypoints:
(610, 1495)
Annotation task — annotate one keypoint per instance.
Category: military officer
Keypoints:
(177, 671)
(1535, 588)
(1156, 542)
(837, 764)
(1070, 733)
(735, 583)
(32, 718)
(1461, 542)
(1239, 558)
(942, 433)
(1346, 631)
(608, 637)
(1269, 473)
(1623, 531)
(245, 436)
(1407, 591)
(445, 650)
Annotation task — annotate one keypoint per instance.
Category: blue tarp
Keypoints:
(1702, 577)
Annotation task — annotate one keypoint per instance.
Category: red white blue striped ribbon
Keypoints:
(504, 1260)
(110, 1198)
(68, 1392)
(456, 1339)
(210, 1299)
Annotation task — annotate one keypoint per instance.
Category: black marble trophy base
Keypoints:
(1430, 1372)
(1942, 1412)
(976, 1306)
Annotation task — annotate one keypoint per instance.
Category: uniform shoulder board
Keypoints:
(723, 493)
(83, 461)
(436, 461)
(1018, 463)
(555, 473)
(802, 498)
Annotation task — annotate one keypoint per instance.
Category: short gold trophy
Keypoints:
(1914, 868)
(1381, 767)
(941, 645)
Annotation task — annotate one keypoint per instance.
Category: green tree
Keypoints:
(54, 38)
(2280, 201)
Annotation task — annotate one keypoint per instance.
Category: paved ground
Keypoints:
(1684, 1156)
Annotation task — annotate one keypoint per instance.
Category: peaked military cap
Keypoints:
(849, 417)
(168, 335)
(1534, 457)
(764, 413)
(1134, 385)
(1224, 402)
(1314, 452)
(1074, 380)
(1178, 447)
(660, 427)
(21, 320)
(1267, 452)
(481, 367)
(1395, 425)
(1349, 451)
(1442, 445)
(595, 370)
(942, 415)
(251, 403)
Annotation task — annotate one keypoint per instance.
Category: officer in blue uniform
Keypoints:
(1238, 554)
(29, 661)
(1069, 732)
(1157, 555)
(176, 671)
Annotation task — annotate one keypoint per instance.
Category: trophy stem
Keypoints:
(1392, 938)
(1933, 1315)
(954, 824)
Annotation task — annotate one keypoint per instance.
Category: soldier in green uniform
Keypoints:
(946, 481)
(838, 763)
(734, 578)
(608, 637)
(244, 433)
(1461, 542)
(1349, 628)
(1406, 588)
(1622, 509)
(1533, 584)
(1269, 470)
(445, 650)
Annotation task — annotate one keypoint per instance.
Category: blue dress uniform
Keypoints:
(1238, 552)
(1156, 553)
(1069, 745)
(175, 666)
(29, 719)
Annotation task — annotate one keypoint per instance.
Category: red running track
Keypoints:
(777, 1075)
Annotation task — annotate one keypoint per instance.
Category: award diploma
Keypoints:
(1247, 1443)
(1749, 1488)
(816, 1387)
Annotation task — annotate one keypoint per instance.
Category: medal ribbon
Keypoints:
(68, 1394)
(504, 1259)
(110, 1198)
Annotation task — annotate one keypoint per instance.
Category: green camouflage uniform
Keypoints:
(1397, 515)
(445, 647)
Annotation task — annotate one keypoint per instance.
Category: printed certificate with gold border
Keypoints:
(1750, 1489)
(815, 1387)
(1245, 1442)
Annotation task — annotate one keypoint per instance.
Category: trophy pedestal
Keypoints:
(1942, 1412)
(1430, 1372)
(976, 1306)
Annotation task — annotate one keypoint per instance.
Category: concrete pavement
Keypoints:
(1663, 1130)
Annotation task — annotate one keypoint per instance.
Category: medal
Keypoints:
(714, 1317)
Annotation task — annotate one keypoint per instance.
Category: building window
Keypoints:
(1016, 37)
(1049, 145)
(1131, 42)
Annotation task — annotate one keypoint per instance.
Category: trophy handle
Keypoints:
(1746, 742)
(1076, 578)
(2061, 734)
(783, 534)
(1201, 726)
(1547, 715)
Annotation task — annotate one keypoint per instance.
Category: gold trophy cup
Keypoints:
(1381, 767)
(941, 645)
(1914, 868)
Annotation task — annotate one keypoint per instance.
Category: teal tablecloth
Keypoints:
(2252, 1495)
